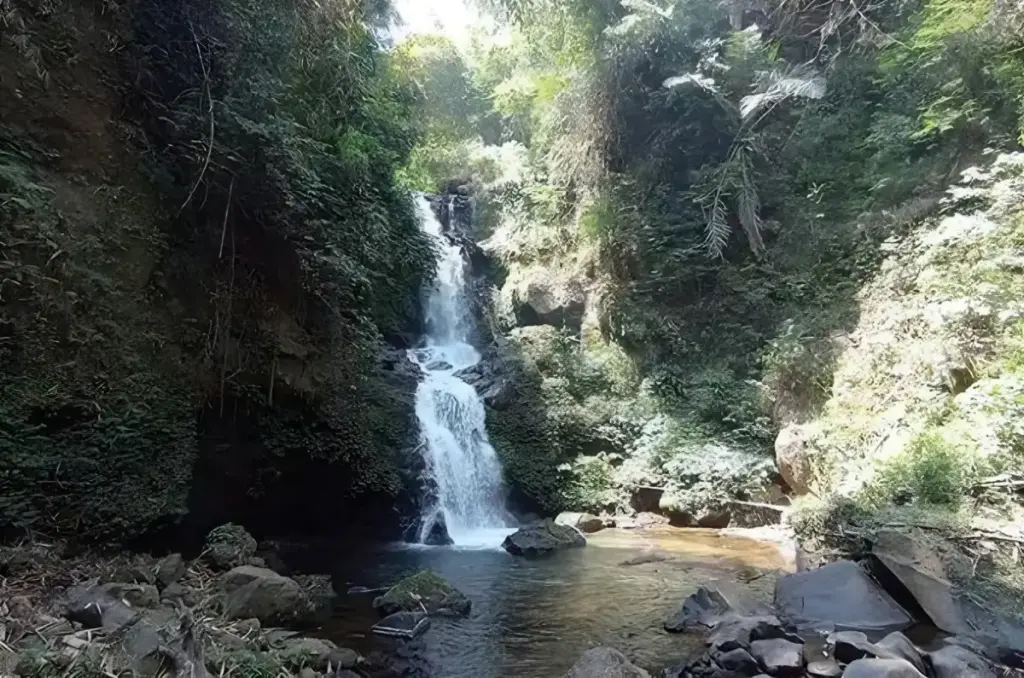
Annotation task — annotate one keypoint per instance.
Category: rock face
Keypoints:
(921, 570)
(229, 546)
(543, 538)
(584, 522)
(424, 591)
(259, 593)
(838, 596)
(793, 457)
(605, 662)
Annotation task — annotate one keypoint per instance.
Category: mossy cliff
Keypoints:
(204, 260)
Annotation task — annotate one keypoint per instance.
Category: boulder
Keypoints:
(439, 366)
(318, 654)
(229, 546)
(742, 631)
(678, 514)
(793, 457)
(956, 661)
(838, 596)
(714, 604)
(824, 669)
(170, 569)
(136, 595)
(646, 499)
(424, 591)
(737, 660)
(584, 522)
(543, 538)
(849, 646)
(898, 646)
(779, 657)
(95, 608)
(605, 662)
(918, 565)
(438, 535)
(175, 591)
(642, 520)
(881, 668)
(254, 592)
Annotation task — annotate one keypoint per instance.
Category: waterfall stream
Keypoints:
(459, 458)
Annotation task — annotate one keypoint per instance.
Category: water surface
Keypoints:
(533, 618)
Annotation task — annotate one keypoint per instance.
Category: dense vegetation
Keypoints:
(691, 199)
(204, 249)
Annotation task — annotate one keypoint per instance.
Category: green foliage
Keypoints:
(931, 470)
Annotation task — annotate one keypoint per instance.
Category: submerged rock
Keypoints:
(838, 596)
(584, 522)
(605, 662)
(543, 538)
(713, 605)
(424, 591)
(402, 625)
(229, 546)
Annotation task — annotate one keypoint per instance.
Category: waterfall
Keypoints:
(459, 457)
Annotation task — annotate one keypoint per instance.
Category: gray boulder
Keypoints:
(584, 522)
(424, 591)
(229, 546)
(170, 569)
(738, 661)
(259, 593)
(318, 654)
(956, 661)
(715, 604)
(779, 657)
(438, 535)
(838, 596)
(824, 669)
(605, 662)
(881, 668)
(96, 608)
(543, 538)
(793, 457)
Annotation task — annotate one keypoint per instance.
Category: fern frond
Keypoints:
(749, 210)
(697, 79)
(777, 86)
(716, 234)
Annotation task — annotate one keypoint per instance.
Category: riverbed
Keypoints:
(533, 618)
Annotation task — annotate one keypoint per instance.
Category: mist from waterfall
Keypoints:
(458, 455)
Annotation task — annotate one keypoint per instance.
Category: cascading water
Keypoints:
(459, 457)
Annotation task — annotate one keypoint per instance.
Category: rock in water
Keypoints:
(543, 538)
(402, 625)
(438, 533)
(584, 522)
(715, 605)
(229, 546)
(881, 668)
(605, 662)
(424, 591)
(840, 596)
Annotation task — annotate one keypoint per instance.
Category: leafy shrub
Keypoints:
(931, 470)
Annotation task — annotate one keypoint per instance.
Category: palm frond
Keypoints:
(777, 86)
(749, 210)
(697, 79)
(716, 234)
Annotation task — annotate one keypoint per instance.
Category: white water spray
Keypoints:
(451, 414)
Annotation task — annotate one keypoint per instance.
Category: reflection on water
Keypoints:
(533, 618)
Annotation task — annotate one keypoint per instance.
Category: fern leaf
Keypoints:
(749, 211)
(697, 79)
(716, 234)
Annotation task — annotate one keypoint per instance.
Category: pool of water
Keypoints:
(533, 618)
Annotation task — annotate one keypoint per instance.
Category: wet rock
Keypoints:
(424, 591)
(740, 632)
(841, 596)
(136, 595)
(543, 538)
(605, 662)
(584, 522)
(438, 533)
(439, 366)
(849, 646)
(824, 669)
(229, 546)
(737, 660)
(956, 661)
(881, 668)
(170, 569)
(321, 595)
(713, 605)
(779, 657)
(253, 592)
(793, 457)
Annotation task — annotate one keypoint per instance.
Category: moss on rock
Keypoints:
(424, 590)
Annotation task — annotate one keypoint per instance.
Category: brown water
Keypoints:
(533, 618)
